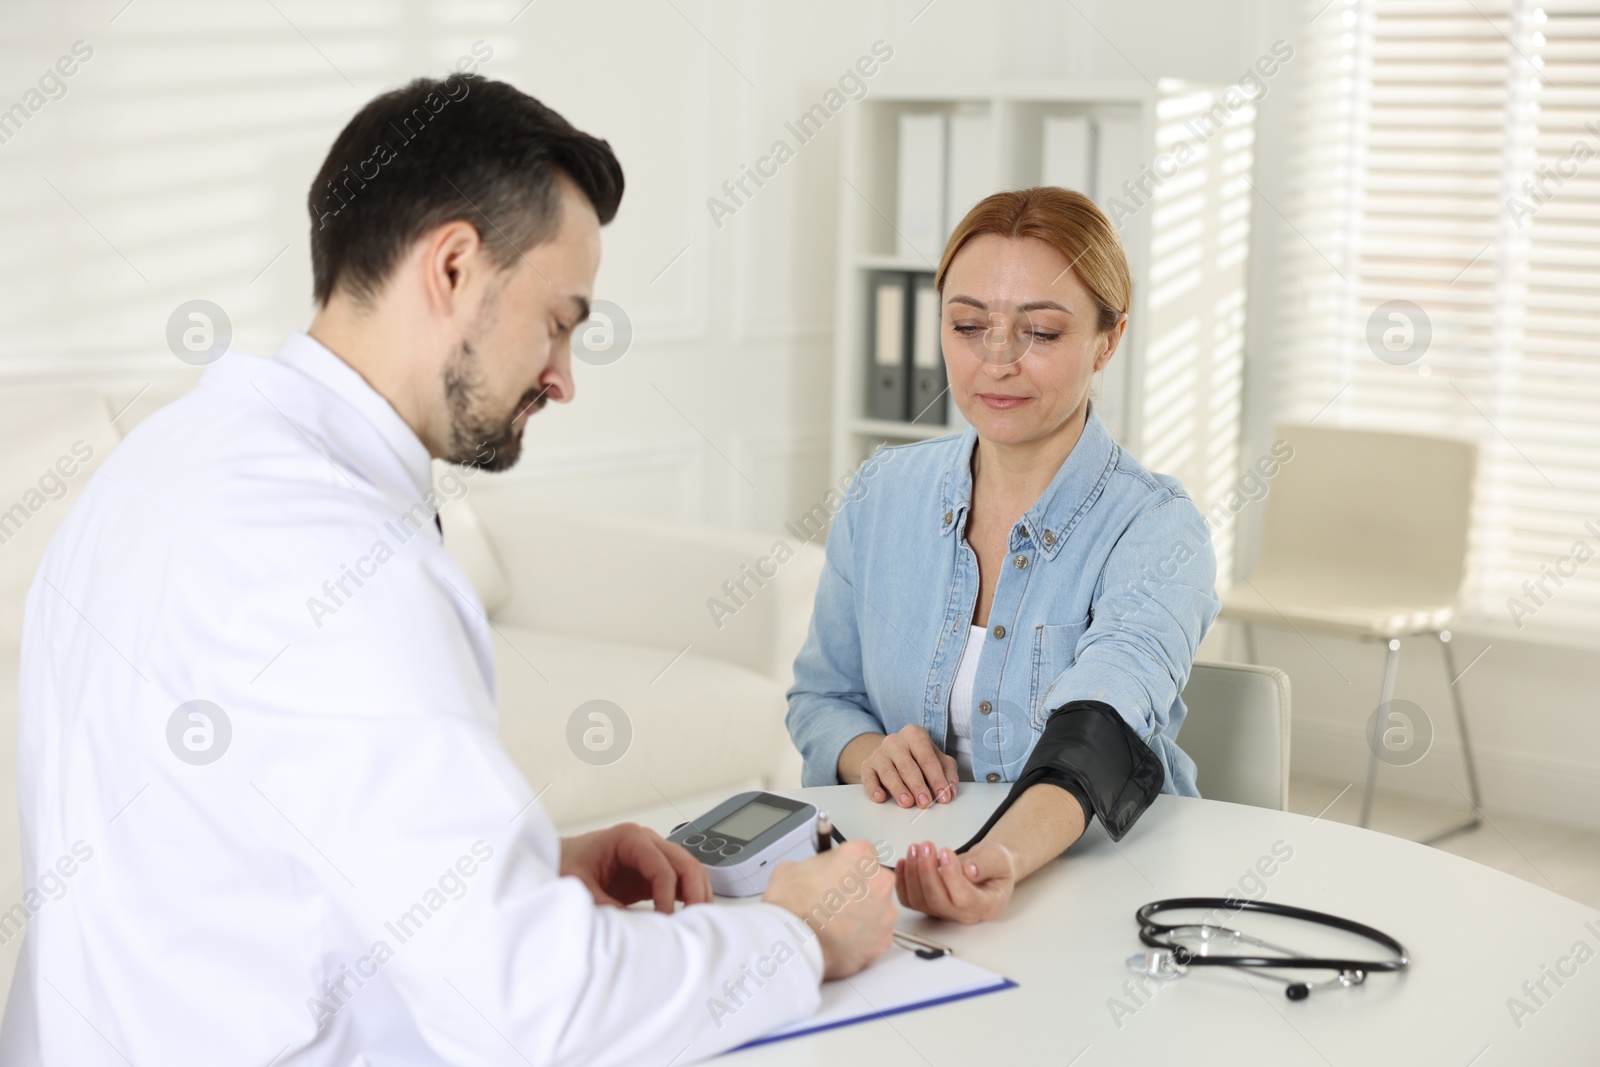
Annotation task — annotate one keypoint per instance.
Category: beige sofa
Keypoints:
(582, 610)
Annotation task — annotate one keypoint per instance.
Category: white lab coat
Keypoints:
(362, 876)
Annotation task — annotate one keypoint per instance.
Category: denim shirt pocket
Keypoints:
(1055, 648)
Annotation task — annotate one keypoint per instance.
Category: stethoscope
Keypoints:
(1172, 959)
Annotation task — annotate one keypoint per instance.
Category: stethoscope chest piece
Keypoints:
(1172, 958)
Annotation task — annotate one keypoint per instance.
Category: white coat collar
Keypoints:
(319, 363)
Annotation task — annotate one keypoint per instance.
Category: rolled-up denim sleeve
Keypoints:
(1155, 600)
(828, 704)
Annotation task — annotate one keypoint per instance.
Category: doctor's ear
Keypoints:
(453, 260)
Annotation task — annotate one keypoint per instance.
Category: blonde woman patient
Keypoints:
(1022, 602)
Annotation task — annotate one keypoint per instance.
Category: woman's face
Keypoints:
(1021, 338)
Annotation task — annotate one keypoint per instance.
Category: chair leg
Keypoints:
(1473, 795)
(1391, 667)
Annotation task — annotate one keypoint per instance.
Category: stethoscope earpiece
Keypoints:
(1173, 957)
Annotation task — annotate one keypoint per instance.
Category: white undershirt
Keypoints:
(961, 701)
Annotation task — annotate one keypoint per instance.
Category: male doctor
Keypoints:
(293, 838)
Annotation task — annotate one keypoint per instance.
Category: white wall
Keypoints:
(176, 167)
(177, 163)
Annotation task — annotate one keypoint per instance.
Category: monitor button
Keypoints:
(713, 844)
(693, 840)
(733, 850)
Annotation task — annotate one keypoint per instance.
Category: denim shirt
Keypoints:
(1105, 593)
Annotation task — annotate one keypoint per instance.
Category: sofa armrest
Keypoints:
(744, 598)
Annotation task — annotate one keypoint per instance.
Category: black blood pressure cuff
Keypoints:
(1088, 750)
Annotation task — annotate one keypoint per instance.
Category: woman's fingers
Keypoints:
(952, 775)
(917, 757)
(991, 874)
(935, 891)
(928, 761)
(909, 882)
(900, 883)
(913, 868)
(910, 771)
(889, 774)
(971, 901)
(872, 784)
(967, 899)
(944, 885)
(987, 861)
(908, 768)
(919, 876)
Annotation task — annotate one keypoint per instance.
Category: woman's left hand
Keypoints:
(966, 888)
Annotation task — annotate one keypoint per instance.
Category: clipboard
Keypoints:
(896, 983)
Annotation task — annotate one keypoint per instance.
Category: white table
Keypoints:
(1474, 935)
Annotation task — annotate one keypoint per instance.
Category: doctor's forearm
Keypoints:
(1043, 822)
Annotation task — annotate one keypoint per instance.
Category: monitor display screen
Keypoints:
(749, 821)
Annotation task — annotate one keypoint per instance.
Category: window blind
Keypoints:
(1443, 270)
(1193, 370)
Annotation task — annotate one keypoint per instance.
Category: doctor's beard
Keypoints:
(478, 437)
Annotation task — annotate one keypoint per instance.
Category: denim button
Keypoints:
(999, 632)
(1020, 562)
(985, 708)
(991, 777)
(948, 516)
(1049, 539)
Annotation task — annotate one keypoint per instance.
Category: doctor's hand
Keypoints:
(846, 897)
(969, 888)
(627, 863)
(906, 767)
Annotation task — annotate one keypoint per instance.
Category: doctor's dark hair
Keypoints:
(439, 150)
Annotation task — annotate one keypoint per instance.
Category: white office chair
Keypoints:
(1237, 733)
(1366, 536)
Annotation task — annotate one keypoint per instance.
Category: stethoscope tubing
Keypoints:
(1150, 932)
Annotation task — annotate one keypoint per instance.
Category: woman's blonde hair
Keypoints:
(1067, 221)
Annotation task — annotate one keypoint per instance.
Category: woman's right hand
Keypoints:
(909, 767)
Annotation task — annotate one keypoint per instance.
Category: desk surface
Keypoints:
(1475, 935)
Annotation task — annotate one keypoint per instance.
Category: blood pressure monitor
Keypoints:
(742, 839)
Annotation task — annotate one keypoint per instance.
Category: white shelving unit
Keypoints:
(1171, 395)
